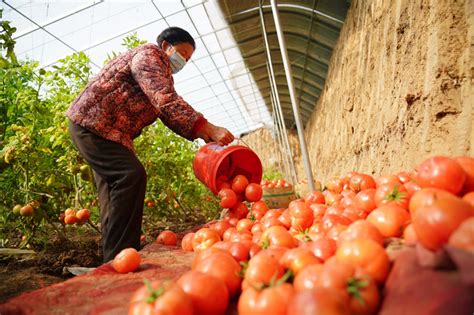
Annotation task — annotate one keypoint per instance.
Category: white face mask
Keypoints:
(177, 62)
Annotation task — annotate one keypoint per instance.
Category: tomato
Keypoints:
(426, 197)
(365, 200)
(409, 235)
(347, 202)
(167, 238)
(160, 297)
(239, 184)
(223, 185)
(204, 239)
(318, 210)
(263, 268)
(308, 278)
(240, 210)
(285, 219)
(467, 164)
(187, 242)
(228, 233)
(411, 188)
(315, 197)
(441, 172)
(128, 260)
(331, 220)
(323, 248)
(273, 300)
(434, 224)
(83, 215)
(273, 213)
(69, 219)
(301, 215)
(150, 204)
(270, 222)
(320, 300)
(469, 198)
(258, 228)
(68, 211)
(404, 177)
(208, 294)
(239, 251)
(278, 236)
(253, 192)
(223, 267)
(297, 258)
(361, 229)
(220, 227)
(335, 231)
(245, 225)
(388, 179)
(228, 198)
(392, 194)
(259, 209)
(241, 236)
(360, 182)
(332, 198)
(334, 210)
(354, 214)
(335, 185)
(389, 220)
(463, 236)
(367, 254)
(233, 221)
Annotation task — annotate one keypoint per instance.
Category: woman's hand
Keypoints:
(212, 133)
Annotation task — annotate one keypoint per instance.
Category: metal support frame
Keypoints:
(276, 98)
(291, 88)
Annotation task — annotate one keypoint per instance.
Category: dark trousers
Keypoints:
(121, 184)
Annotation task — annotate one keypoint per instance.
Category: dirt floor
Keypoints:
(22, 273)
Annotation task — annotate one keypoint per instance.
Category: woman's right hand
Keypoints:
(212, 133)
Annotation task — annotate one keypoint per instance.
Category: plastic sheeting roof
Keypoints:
(216, 82)
(311, 29)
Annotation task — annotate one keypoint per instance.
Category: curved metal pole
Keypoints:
(274, 90)
(291, 88)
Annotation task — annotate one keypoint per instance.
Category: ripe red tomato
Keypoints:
(253, 192)
(441, 172)
(263, 268)
(323, 248)
(270, 222)
(361, 229)
(404, 177)
(239, 210)
(278, 236)
(69, 211)
(128, 260)
(389, 220)
(208, 294)
(332, 198)
(259, 209)
(320, 300)
(167, 238)
(204, 239)
(365, 200)
(335, 231)
(273, 300)
(257, 228)
(83, 215)
(388, 179)
(220, 227)
(297, 258)
(308, 278)
(315, 197)
(228, 233)
(335, 185)
(272, 213)
(228, 198)
(392, 194)
(367, 254)
(331, 220)
(285, 219)
(150, 204)
(426, 197)
(463, 236)
(239, 183)
(187, 242)
(469, 198)
(434, 224)
(409, 235)
(467, 164)
(301, 216)
(245, 225)
(411, 188)
(165, 297)
(360, 182)
(224, 267)
(68, 219)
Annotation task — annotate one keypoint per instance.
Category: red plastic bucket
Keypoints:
(212, 161)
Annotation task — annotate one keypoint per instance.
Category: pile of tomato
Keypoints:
(324, 254)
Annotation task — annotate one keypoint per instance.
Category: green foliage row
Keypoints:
(39, 162)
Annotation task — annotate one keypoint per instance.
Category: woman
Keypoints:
(129, 93)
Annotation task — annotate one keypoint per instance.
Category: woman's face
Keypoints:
(184, 49)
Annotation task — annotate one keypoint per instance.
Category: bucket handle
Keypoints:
(242, 140)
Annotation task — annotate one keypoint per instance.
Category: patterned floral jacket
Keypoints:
(130, 93)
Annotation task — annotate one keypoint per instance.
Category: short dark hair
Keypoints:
(175, 35)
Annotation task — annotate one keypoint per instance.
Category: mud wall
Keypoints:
(399, 88)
